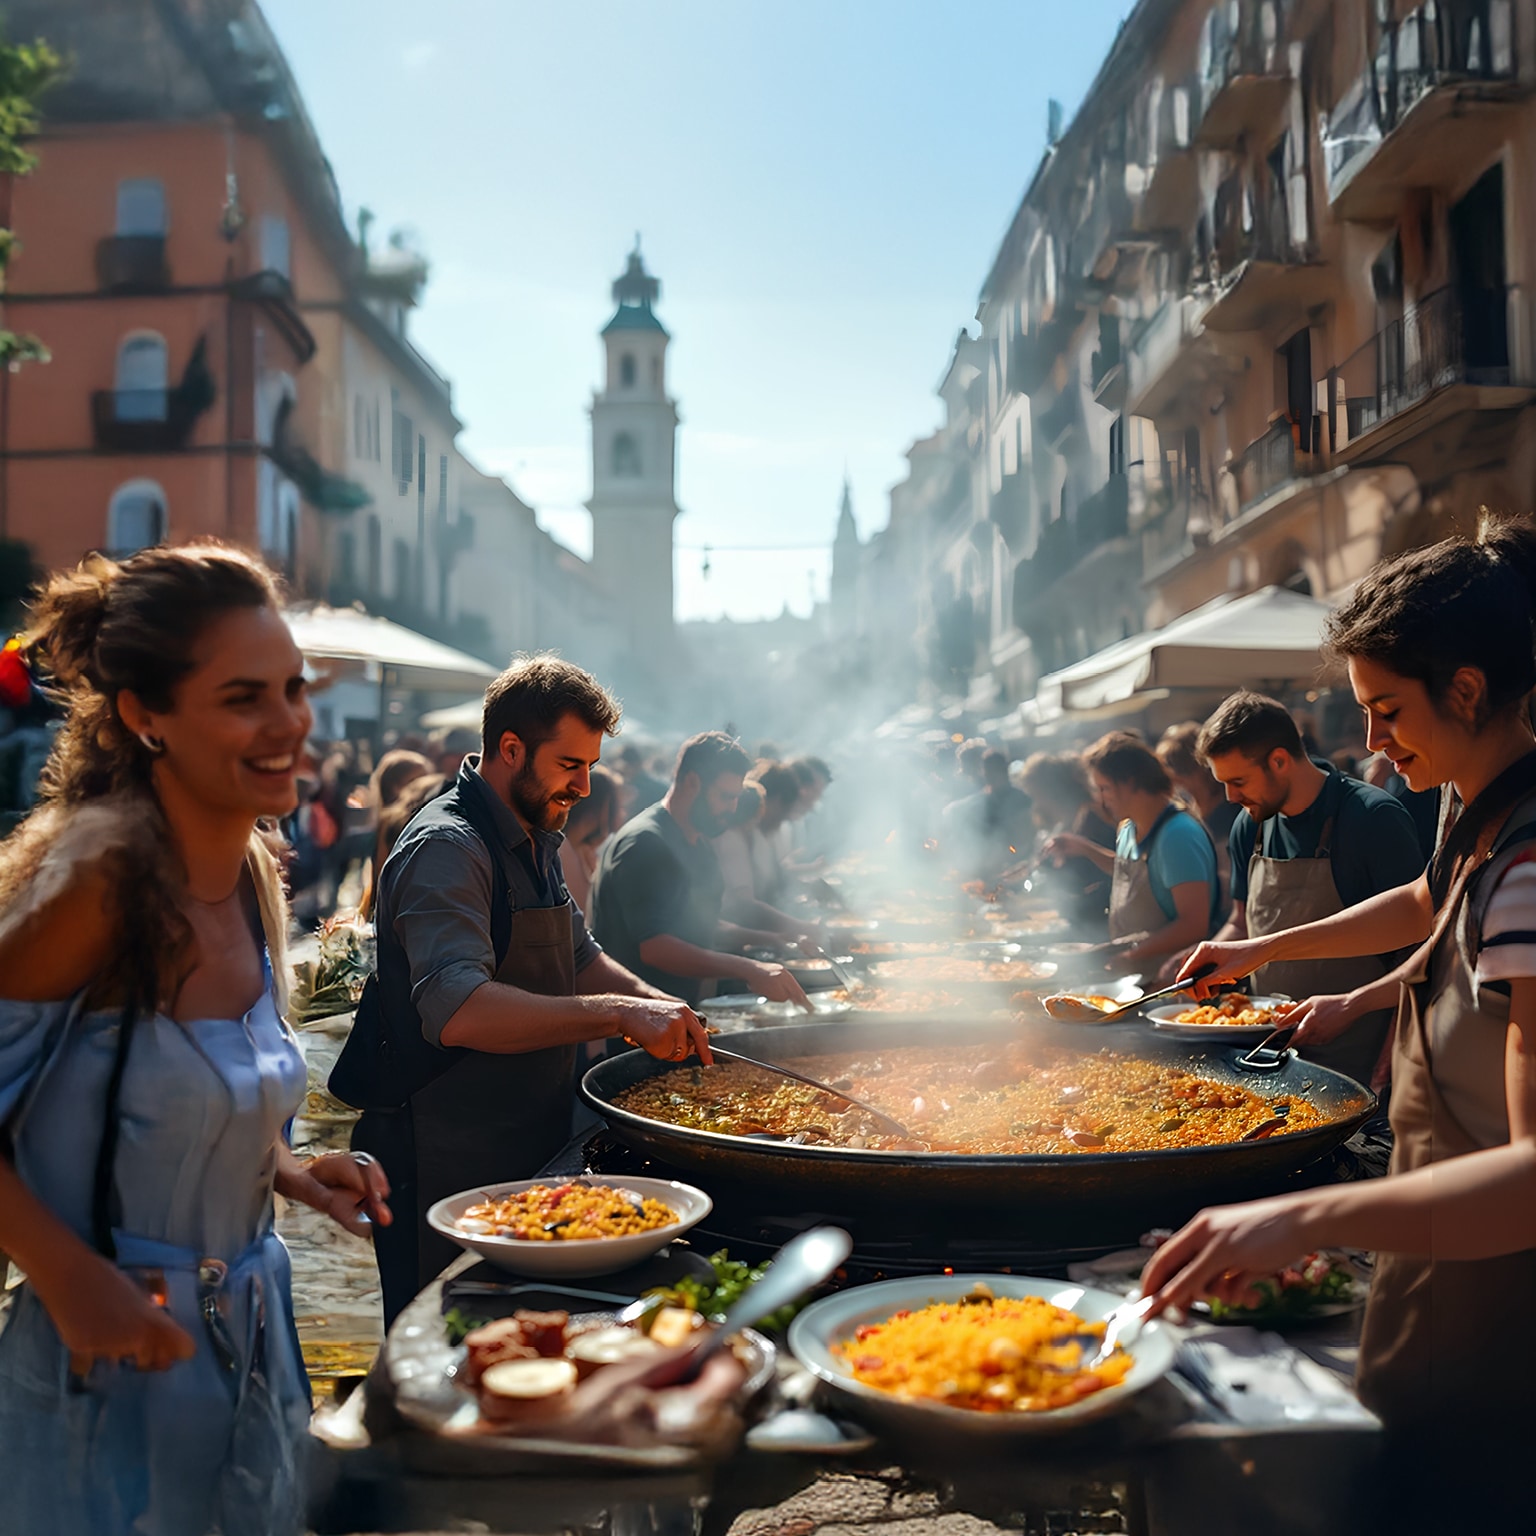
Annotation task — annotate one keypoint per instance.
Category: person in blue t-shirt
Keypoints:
(1164, 892)
(1310, 842)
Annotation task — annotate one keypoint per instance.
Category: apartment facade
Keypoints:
(229, 359)
(1263, 316)
(171, 237)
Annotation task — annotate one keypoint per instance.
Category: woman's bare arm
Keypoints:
(1473, 1207)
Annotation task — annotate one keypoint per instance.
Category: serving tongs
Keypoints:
(890, 1126)
(1074, 1008)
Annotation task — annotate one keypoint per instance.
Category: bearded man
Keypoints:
(463, 1054)
(658, 891)
(1308, 843)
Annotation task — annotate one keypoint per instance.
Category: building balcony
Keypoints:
(1108, 372)
(1106, 515)
(1167, 364)
(144, 420)
(1450, 352)
(1246, 81)
(1435, 99)
(1066, 542)
(1164, 182)
(273, 294)
(1273, 461)
(1266, 271)
(1175, 526)
(1032, 357)
(1093, 251)
(132, 264)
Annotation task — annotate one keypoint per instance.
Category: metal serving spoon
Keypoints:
(1073, 1008)
(799, 1266)
(893, 1127)
(1122, 1326)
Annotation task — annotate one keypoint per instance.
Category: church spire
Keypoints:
(847, 528)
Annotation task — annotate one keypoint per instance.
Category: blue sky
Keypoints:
(820, 187)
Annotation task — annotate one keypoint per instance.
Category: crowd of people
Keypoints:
(150, 1376)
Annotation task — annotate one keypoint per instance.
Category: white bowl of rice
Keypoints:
(569, 1228)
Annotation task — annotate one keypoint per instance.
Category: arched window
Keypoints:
(135, 517)
(656, 374)
(626, 457)
(627, 370)
(141, 377)
(140, 207)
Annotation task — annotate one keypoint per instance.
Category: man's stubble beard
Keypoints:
(534, 805)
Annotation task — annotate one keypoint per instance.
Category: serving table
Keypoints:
(1174, 1463)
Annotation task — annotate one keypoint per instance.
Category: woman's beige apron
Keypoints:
(1133, 907)
(493, 1117)
(1287, 893)
(1448, 1352)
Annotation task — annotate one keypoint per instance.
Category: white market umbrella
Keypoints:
(1269, 637)
(414, 661)
(456, 717)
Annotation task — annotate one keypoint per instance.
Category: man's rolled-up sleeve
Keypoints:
(441, 901)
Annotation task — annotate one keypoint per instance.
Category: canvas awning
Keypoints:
(374, 645)
(1267, 638)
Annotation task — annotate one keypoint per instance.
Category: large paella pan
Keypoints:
(1066, 1177)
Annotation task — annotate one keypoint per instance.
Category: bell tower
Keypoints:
(634, 439)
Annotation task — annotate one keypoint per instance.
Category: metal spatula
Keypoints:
(892, 1127)
(1072, 1008)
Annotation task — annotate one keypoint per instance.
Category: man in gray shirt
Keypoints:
(463, 1052)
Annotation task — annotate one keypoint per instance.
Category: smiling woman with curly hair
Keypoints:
(150, 1377)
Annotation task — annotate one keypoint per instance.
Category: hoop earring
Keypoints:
(152, 744)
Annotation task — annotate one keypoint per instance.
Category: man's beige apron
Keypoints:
(1287, 893)
(493, 1117)
(1448, 1352)
(1133, 907)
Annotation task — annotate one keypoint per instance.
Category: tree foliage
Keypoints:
(26, 71)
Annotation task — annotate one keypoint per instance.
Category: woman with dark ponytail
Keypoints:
(1441, 650)
(150, 1376)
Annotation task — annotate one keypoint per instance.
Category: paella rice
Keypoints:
(566, 1212)
(1002, 1098)
(990, 1354)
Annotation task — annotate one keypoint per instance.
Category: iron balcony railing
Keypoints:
(1063, 543)
(1447, 338)
(1240, 37)
(1252, 223)
(1445, 43)
(1266, 464)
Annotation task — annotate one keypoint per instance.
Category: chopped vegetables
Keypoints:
(713, 1300)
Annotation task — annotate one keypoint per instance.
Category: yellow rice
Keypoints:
(993, 1355)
